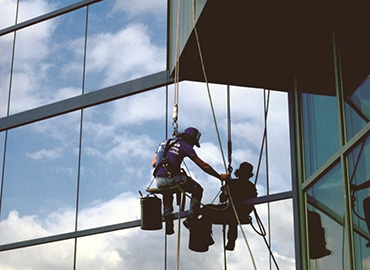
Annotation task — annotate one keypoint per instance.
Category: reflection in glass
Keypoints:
(357, 108)
(118, 144)
(124, 250)
(321, 132)
(325, 198)
(6, 43)
(359, 170)
(328, 192)
(334, 246)
(48, 62)
(40, 179)
(57, 255)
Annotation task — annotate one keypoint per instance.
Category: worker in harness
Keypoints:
(235, 191)
(167, 163)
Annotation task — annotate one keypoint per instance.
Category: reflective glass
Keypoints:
(40, 178)
(358, 108)
(326, 230)
(359, 170)
(48, 62)
(321, 131)
(328, 192)
(6, 43)
(58, 255)
(119, 142)
(120, 48)
(124, 249)
(8, 12)
(327, 240)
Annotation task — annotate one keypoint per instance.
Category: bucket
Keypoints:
(151, 216)
(200, 236)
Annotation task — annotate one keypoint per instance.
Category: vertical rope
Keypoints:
(208, 90)
(177, 72)
(80, 140)
(263, 140)
(8, 108)
(175, 114)
(179, 232)
(267, 171)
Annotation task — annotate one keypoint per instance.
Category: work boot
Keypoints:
(230, 245)
(169, 224)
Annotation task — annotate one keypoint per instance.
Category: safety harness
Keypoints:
(164, 162)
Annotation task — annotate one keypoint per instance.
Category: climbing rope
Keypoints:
(264, 138)
(175, 112)
(218, 135)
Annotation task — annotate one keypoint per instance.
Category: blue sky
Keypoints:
(126, 40)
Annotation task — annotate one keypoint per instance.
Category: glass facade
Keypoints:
(79, 128)
(335, 129)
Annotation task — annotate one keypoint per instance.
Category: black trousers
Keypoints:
(224, 214)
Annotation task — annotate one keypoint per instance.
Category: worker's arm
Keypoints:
(154, 161)
(208, 169)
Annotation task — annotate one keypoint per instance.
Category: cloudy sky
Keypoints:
(126, 39)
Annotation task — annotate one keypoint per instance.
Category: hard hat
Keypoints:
(246, 169)
(194, 134)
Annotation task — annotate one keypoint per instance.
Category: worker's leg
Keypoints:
(232, 234)
(196, 192)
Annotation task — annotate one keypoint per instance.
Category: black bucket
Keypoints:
(200, 236)
(151, 216)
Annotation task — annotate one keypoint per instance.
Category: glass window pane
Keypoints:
(328, 191)
(327, 242)
(119, 142)
(48, 62)
(357, 108)
(359, 170)
(58, 255)
(40, 178)
(120, 48)
(6, 44)
(326, 224)
(321, 131)
(8, 12)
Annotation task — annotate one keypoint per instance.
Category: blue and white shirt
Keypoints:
(175, 155)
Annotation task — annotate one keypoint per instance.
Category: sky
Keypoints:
(126, 40)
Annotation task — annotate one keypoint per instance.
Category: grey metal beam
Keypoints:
(47, 16)
(121, 226)
(71, 235)
(87, 100)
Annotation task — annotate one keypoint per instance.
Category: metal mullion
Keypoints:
(90, 99)
(47, 16)
(362, 134)
(297, 160)
(344, 164)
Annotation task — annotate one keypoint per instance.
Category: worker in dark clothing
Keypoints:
(167, 163)
(236, 191)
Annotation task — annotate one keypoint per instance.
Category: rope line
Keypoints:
(264, 136)
(208, 89)
(241, 227)
(175, 113)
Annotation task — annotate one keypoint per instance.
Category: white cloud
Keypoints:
(132, 248)
(46, 154)
(142, 8)
(139, 109)
(129, 146)
(124, 55)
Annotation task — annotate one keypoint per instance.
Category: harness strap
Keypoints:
(164, 161)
